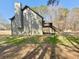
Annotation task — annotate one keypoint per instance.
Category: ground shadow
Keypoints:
(31, 54)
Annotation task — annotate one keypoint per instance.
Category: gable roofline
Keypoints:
(12, 18)
(30, 9)
(25, 7)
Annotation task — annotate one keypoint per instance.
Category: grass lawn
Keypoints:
(19, 46)
(52, 39)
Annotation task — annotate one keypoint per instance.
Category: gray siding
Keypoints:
(32, 24)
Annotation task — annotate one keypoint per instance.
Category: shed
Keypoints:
(26, 21)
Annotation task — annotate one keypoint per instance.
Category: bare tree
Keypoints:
(53, 2)
(73, 19)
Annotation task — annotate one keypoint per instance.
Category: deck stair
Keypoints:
(49, 28)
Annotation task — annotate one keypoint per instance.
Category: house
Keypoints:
(28, 22)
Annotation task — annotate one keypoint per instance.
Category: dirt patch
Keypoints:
(15, 52)
(67, 52)
(5, 32)
(24, 51)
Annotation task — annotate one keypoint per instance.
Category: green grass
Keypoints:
(66, 40)
(53, 39)
(18, 40)
(73, 39)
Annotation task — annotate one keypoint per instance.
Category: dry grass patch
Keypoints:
(5, 32)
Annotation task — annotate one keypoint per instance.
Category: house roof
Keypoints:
(26, 8)
(12, 18)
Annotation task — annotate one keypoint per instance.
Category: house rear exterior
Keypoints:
(26, 21)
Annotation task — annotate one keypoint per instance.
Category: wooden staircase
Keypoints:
(50, 26)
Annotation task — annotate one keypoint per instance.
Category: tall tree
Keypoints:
(73, 19)
(53, 2)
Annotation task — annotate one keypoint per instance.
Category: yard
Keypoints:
(39, 47)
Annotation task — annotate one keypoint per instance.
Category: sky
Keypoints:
(7, 6)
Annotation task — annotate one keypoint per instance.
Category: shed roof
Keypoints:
(26, 8)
